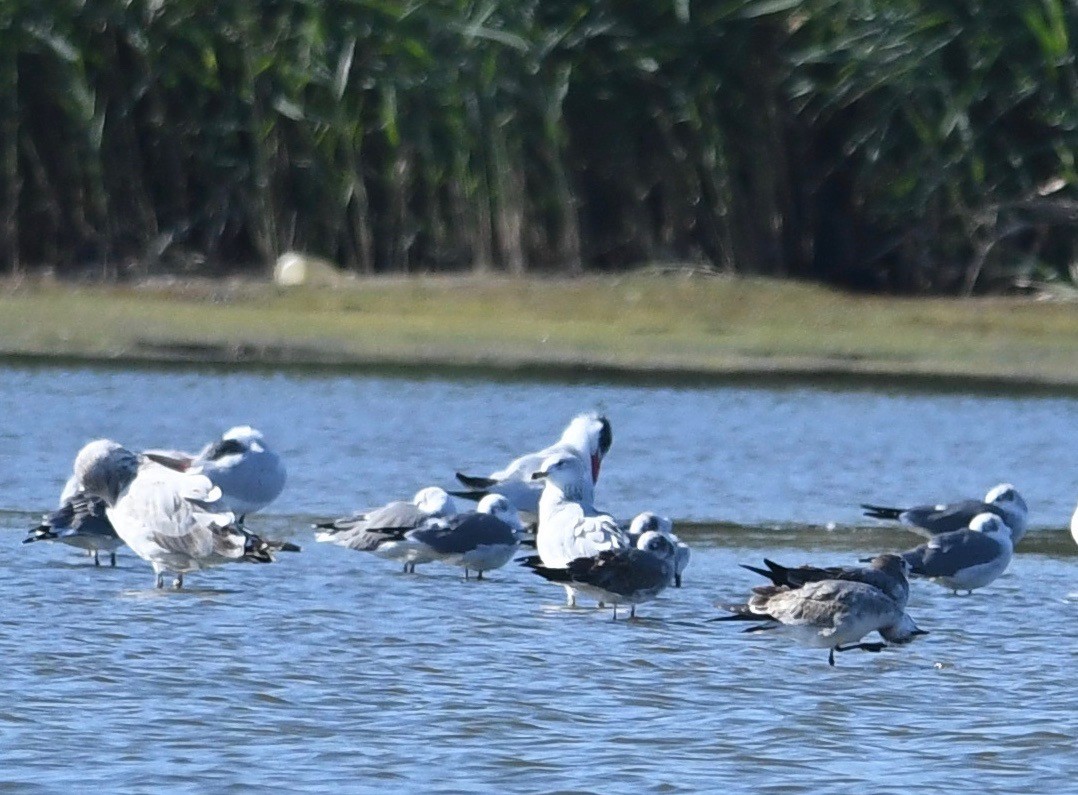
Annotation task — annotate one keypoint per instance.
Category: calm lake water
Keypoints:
(332, 671)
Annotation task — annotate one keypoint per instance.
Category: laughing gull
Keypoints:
(648, 521)
(618, 576)
(479, 540)
(569, 525)
(880, 573)
(80, 521)
(249, 474)
(929, 520)
(158, 512)
(964, 559)
(588, 436)
(832, 614)
(383, 530)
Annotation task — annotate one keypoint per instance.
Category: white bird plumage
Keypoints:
(159, 512)
(569, 525)
(587, 436)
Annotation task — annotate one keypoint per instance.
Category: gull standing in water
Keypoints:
(159, 513)
(929, 520)
(248, 473)
(618, 576)
(479, 540)
(588, 436)
(80, 521)
(832, 613)
(648, 521)
(965, 559)
(383, 531)
(569, 525)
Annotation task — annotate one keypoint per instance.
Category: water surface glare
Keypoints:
(332, 671)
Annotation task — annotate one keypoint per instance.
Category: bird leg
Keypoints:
(465, 574)
(178, 582)
(112, 559)
(831, 657)
(873, 647)
(615, 612)
(96, 561)
(479, 575)
(632, 611)
(160, 581)
(677, 580)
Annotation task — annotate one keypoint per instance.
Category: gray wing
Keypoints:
(465, 532)
(398, 515)
(938, 519)
(825, 603)
(622, 571)
(949, 553)
(365, 532)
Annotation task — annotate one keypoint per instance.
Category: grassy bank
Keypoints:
(692, 324)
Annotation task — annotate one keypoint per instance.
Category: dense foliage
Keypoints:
(896, 144)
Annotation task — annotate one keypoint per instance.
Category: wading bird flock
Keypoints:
(184, 512)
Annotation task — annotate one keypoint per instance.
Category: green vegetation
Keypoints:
(637, 323)
(885, 144)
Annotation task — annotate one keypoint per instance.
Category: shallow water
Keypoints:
(331, 670)
(741, 454)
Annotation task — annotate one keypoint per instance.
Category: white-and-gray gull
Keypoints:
(569, 525)
(479, 540)
(964, 560)
(648, 521)
(79, 521)
(929, 520)
(159, 513)
(249, 474)
(1074, 526)
(623, 576)
(383, 531)
(588, 436)
(834, 613)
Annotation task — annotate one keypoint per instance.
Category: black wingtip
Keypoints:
(764, 572)
(42, 533)
(553, 575)
(880, 511)
(288, 546)
(475, 496)
(474, 481)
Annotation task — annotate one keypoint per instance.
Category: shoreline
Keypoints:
(680, 330)
(764, 374)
